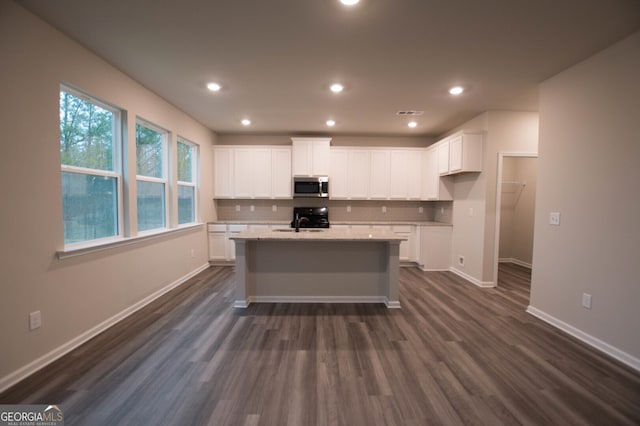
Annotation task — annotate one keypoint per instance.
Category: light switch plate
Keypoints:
(35, 320)
(554, 218)
(586, 300)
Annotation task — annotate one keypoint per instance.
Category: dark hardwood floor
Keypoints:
(454, 354)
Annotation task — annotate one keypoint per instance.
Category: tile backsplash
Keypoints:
(439, 211)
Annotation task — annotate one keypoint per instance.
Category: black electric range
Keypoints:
(310, 217)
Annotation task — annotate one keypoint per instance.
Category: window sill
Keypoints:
(121, 242)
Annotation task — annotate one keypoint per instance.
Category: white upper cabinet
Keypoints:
(460, 153)
(281, 173)
(405, 174)
(379, 188)
(338, 180)
(247, 172)
(261, 173)
(443, 157)
(358, 174)
(223, 172)
(311, 156)
(350, 171)
(434, 187)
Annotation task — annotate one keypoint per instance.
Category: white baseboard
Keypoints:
(472, 280)
(422, 268)
(596, 343)
(24, 372)
(314, 299)
(515, 261)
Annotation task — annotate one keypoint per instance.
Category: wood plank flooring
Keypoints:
(454, 354)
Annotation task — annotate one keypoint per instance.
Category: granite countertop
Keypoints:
(321, 235)
(333, 222)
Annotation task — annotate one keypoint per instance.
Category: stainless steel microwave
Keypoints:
(311, 186)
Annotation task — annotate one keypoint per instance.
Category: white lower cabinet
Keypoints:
(221, 247)
(435, 248)
(217, 236)
(408, 248)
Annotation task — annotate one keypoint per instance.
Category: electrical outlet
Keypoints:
(35, 320)
(586, 300)
(348, 209)
(461, 260)
(554, 218)
(420, 209)
(274, 208)
(470, 211)
(237, 207)
(384, 209)
(441, 210)
(193, 253)
(252, 208)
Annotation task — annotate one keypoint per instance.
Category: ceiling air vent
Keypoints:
(409, 112)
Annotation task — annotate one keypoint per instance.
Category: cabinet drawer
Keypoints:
(217, 228)
(237, 228)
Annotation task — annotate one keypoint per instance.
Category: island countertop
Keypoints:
(327, 234)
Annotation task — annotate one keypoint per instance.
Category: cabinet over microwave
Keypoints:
(311, 186)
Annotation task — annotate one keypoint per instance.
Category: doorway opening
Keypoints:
(515, 217)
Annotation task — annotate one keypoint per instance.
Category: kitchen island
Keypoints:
(321, 266)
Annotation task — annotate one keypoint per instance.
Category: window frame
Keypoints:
(165, 179)
(195, 177)
(117, 172)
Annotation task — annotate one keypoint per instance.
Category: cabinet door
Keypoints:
(358, 174)
(407, 251)
(302, 152)
(398, 172)
(223, 173)
(455, 154)
(321, 158)
(414, 175)
(379, 182)
(217, 245)
(443, 157)
(338, 187)
(430, 175)
(281, 172)
(261, 170)
(435, 248)
(242, 174)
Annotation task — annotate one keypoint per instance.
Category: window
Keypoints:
(187, 181)
(151, 176)
(91, 178)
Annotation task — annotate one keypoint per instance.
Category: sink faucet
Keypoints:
(299, 220)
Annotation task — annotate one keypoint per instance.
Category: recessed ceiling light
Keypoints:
(336, 88)
(246, 122)
(349, 2)
(331, 123)
(412, 124)
(214, 87)
(456, 90)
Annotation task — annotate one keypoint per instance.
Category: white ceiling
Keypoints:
(276, 58)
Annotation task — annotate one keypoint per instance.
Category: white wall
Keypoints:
(474, 232)
(77, 294)
(588, 170)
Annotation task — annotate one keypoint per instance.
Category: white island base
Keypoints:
(327, 267)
